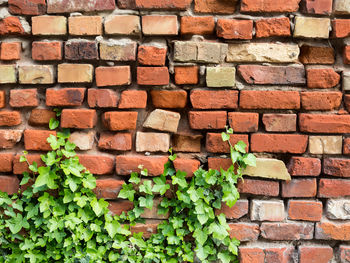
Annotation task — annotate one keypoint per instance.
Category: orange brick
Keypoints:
(65, 96)
(273, 27)
(234, 29)
(207, 119)
(169, 99)
(215, 6)
(122, 25)
(133, 99)
(24, 98)
(43, 51)
(113, 76)
(11, 26)
(10, 50)
(201, 25)
(49, 25)
(10, 118)
(152, 76)
(186, 75)
(78, 118)
(119, 121)
(305, 210)
(214, 99)
(85, 25)
(243, 121)
(151, 55)
(347, 55)
(2, 99)
(37, 140)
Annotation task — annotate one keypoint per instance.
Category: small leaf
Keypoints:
(240, 147)
(53, 124)
(225, 137)
(250, 159)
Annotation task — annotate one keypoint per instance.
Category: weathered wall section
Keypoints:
(138, 76)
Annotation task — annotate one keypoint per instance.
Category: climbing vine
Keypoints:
(56, 216)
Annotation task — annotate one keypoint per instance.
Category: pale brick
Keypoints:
(36, 74)
(9, 138)
(325, 144)
(118, 50)
(263, 52)
(159, 25)
(83, 140)
(122, 25)
(342, 7)
(85, 25)
(280, 122)
(152, 142)
(75, 73)
(311, 27)
(221, 76)
(268, 168)
(163, 120)
(7, 74)
(338, 209)
(49, 25)
(267, 210)
(346, 80)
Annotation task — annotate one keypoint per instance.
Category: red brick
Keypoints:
(24, 98)
(287, 231)
(41, 117)
(214, 143)
(9, 138)
(279, 143)
(65, 96)
(258, 187)
(316, 254)
(115, 141)
(44, 51)
(21, 167)
(322, 78)
(333, 188)
(336, 167)
(163, 4)
(346, 146)
(269, 6)
(10, 50)
(347, 55)
(321, 100)
(113, 76)
(37, 140)
(9, 184)
(333, 231)
(78, 118)
(186, 165)
(152, 76)
(148, 228)
(207, 119)
(304, 166)
(344, 254)
(11, 26)
(316, 55)
(275, 75)
(244, 231)
(133, 99)
(80, 50)
(214, 99)
(118, 121)
(27, 7)
(169, 99)
(2, 99)
(251, 255)
(280, 122)
(214, 6)
(243, 121)
(164, 25)
(279, 255)
(108, 188)
(347, 102)
(273, 27)
(321, 7)
(187, 142)
(341, 28)
(6, 161)
(186, 75)
(126, 164)
(10, 118)
(97, 164)
(234, 29)
(70, 6)
(299, 188)
(239, 210)
(151, 55)
(120, 206)
(102, 98)
(200, 25)
(305, 210)
(318, 123)
(218, 163)
(261, 99)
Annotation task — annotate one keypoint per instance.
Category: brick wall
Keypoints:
(134, 77)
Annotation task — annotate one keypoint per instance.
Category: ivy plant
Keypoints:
(56, 216)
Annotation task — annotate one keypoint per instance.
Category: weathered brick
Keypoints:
(85, 25)
(113, 76)
(234, 29)
(304, 166)
(21, 167)
(316, 55)
(102, 98)
(273, 27)
(299, 188)
(10, 50)
(80, 50)
(10, 118)
(207, 119)
(243, 121)
(268, 168)
(170, 99)
(42, 50)
(269, 6)
(325, 144)
(321, 100)
(2, 98)
(329, 188)
(148, 228)
(78, 118)
(276, 75)
(305, 210)
(279, 143)
(118, 121)
(287, 231)
(24, 98)
(64, 6)
(344, 251)
(115, 141)
(108, 188)
(114, 50)
(336, 167)
(346, 81)
(97, 164)
(9, 138)
(75, 73)
(341, 28)
(12, 25)
(120, 206)
(37, 140)
(279, 254)
(323, 7)
(152, 142)
(9, 184)
(27, 7)
(346, 55)
(258, 187)
(251, 255)
(213, 6)
(163, 120)
(342, 7)
(280, 122)
(239, 210)
(122, 25)
(186, 143)
(189, 166)
(338, 209)
(152, 76)
(6, 161)
(322, 78)
(197, 25)
(214, 143)
(346, 146)
(41, 117)
(7, 74)
(244, 231)
(318, 123)
(333, 231)
(221, 76)
(159, 25)
(186, 75)
(152, 55)
(49, 25)
(263, 210)
(315, 254)
(311, 27)
(83, 140)
(65, 97)
(164, 4)
(36, 74)
(134, 99)
(126, 164)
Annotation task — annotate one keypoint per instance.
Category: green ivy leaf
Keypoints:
(225, 257)
(146, 202)
(98, 206)
(127, 192)
(225, 137)
(180, 179)
(250, 159)
(146, 187)
(200, 235)
(53, 124)
(240, 147)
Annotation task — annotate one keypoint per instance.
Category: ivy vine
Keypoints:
(56, 216)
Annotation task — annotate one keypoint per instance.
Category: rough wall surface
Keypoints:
(135, 77)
